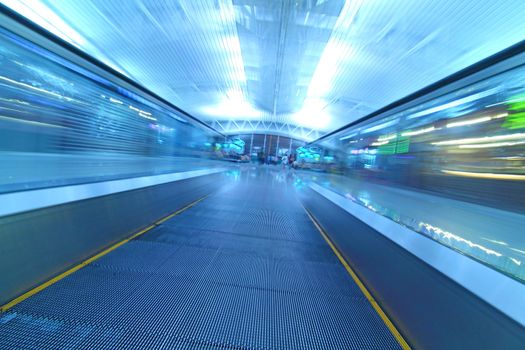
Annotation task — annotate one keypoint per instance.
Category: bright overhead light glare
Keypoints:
(469, 122)
(226, 12)
(313, 114)
(233, 106)
(480, 139)
(39, 13)
(336, 51)
(418, 132)
(231, 44)
(326, 70)
(236, 66)
(379, 143)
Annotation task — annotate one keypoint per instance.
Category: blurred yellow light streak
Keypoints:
(418, 132)
(494, 144)
(469, 122)
(510, 158)
(485, 175)
(476, 120)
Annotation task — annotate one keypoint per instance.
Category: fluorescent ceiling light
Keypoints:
(39, 13)
(234, 105)
(236, 68)
(337, 50)
(313, 114)
(322, 81)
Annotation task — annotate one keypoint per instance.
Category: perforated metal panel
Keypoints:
(236, 271)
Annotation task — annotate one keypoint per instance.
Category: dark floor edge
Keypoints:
(382, 314)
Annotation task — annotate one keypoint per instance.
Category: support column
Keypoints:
(251, 146)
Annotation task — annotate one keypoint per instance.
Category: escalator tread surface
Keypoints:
(243, 269)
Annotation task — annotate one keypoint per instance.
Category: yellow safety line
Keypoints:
(55, 279)
(361, 286)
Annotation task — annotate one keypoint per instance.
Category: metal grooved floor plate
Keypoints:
(243, 269)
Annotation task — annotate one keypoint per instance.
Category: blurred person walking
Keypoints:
(284, 160)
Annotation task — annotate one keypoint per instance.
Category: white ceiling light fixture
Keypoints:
(234, 104)
(337, 50)
(39, 13)
(236, 71)
(313, 114)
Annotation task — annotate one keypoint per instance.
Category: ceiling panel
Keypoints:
(312, 63)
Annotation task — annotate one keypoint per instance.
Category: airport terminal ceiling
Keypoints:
(298, 68)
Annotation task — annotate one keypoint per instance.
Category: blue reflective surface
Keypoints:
(60, 124)
(451, 168)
